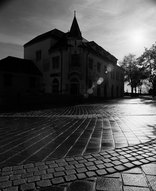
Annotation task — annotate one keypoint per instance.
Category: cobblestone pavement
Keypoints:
(41, 149)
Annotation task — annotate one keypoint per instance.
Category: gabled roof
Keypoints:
(93, 46)
(75, 30)
(55, 33)
(18, 65)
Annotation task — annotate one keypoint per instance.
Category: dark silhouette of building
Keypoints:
(71, 65)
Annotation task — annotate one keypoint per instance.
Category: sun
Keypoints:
(137, 37)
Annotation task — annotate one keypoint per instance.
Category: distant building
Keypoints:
(71, 65)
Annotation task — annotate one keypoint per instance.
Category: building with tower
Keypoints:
(71, 65)
(64, 64)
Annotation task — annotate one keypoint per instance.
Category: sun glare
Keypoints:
(137, 37)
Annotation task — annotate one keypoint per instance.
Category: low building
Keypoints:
(18, 78)
(71, 65)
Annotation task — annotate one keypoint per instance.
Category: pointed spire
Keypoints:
(75, 30)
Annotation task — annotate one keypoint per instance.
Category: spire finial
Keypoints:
(74, 13)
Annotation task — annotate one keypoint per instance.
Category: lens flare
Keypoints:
(109, 68)
(100, 80)
(90, 91)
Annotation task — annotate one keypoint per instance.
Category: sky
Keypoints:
(119, 26)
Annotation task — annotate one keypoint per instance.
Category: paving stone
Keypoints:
(100, 166)
(26, 175)
(31, 165)
(46, 176)
(70, 177)
(50, 162)
(109, 165)
(60, 160)
(50, 170)
(149, 169)
(98, 162)
(59, 169)
(73, 162)
(114, 175)
(87, 156)
(53, 165)
(19, 182)
(79, 165)
(79, 170)
(81, 175)
(101, 172)
(110, 170)
(57, 174)
(39, 164)
(4, 178)
(151, 159)
(91, 167)
(40, 172)
(62, 164)
(152, 181)
(20, 167)
(106, 160)
(81, 186)
(72, 171)
(132, 158)
(133, 171)
(32, 169)
(129, 165)
(33, 178)
(5, 169)
(144, 161)
(120, 167)
(82, 161)
(116, 162)
(43, 167)
(68, 167)
(44, 183)
(15, 177)
(90, 173)
(105, 184)
(5, 184)
(69, 159)
(13, 188)
(137, 163)
(28, 186)
(132, 188)
(21, 171)
(89, 163)
(134, 180)
(57, 180)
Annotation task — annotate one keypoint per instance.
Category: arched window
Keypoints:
(74, 87)
(55, 86)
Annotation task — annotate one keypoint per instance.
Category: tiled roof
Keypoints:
(55, 33)
(18, 65)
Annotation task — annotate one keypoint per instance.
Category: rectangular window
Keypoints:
(105, 69)
(38, 55)
(75, 60)
(55, 62)
(7, 80)
(32, 82)
(98, 67)
(90, 63)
